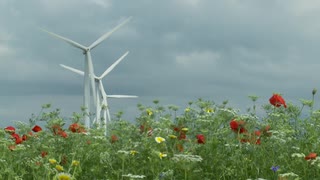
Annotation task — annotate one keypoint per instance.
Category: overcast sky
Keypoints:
(180, 50)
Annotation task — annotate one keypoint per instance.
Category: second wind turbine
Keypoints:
(88, 67)
(101, 101)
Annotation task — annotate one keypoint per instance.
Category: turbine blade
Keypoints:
(103, 92)
(121, 96)
(113, 65)
(108, 114)
(72, 69)
(69, 41)
(106, 35)
(93, 87)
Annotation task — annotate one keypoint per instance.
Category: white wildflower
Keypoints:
(290, 174)
(123, 152)
(134, 176)
(204, 120)
(232, 111)
(99, 137)
(188, 158)
(299, 155)
(231, 145)
(296, 148)
(275, 114)
(316, 161)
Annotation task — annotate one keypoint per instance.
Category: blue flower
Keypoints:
(275, 168)
(161, 175)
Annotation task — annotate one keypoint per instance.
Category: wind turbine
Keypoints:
(101, 98)
(88, 68)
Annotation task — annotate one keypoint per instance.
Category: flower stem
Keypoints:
(185, 174)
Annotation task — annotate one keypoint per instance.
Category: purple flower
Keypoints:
(275, 168)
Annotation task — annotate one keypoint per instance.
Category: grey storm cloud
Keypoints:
(180, 50)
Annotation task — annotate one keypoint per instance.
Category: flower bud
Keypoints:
(314, 91)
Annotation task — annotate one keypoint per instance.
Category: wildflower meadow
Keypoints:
(205, 141)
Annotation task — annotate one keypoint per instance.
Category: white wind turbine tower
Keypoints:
(101, 98)
(88, 68)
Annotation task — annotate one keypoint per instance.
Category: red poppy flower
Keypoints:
(257, 133)
(36, 128)
(75, 127)
(114, 138)
(311, 156)
(201, 139)
(44, 154)
(56, 129)
(24, 137)
(182, 136)
(17, 138)
(242, 130)
(277, 100)
(258, 141)
(10, 129)
(234, 125)
(63, 134)
(19, 141)
(238, 126)
(176, 129)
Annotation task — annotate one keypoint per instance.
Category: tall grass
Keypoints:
(162, 144)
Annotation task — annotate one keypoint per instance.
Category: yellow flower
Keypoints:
(75, 163)
(52, 161)
(159, 139)
(209, 110)
(172, 136)
(149, 112)
(187, 110)
(133, 152)
(64, 176)
(161, 155)
(184, 129)
(59, 168)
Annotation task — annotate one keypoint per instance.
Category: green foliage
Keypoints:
(163, 144)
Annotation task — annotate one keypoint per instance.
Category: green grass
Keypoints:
(130, 150)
